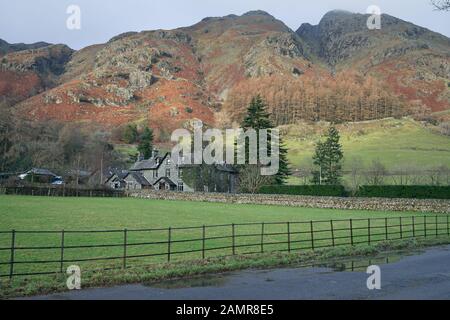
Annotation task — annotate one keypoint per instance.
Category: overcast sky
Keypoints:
(45, 20)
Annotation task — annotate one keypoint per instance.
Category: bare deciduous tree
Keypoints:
(356, 169)
(441, 5)
(251, 180)
(445, 128)
(376, 173)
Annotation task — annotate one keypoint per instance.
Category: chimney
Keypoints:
(154, 153)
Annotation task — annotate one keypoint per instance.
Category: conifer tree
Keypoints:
(328, 156)
(145, 146)
(257, 118)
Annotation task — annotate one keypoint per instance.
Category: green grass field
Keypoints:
(398, 144)
(74, 214)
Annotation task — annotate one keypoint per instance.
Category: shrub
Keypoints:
(306, 190)
(394, 191)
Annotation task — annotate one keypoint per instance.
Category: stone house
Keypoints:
(221, 178)
(136, 181)
(116, 180)
(161, 172)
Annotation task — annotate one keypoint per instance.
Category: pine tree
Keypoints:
(145, 146)
(130, 134)
(257, 118)
(328, 156)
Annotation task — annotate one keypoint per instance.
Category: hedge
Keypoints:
(306, 190)
(395, 191)
(387, 191)
(58, 191)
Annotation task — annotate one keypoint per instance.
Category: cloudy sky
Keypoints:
(45, 20)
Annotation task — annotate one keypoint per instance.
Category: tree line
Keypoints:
(59, 147)
(348, 96)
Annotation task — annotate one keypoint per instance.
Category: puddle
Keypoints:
(353, 264)
(360, 264)
(213, 280)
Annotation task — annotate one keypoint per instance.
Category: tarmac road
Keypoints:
(422, 275)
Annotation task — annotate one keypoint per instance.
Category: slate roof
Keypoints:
(149, 164)
(165, 179)
(139, 178)
(219, 167)
(226, 168)
(42, 172)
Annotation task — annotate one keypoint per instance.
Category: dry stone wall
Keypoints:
(380, 204)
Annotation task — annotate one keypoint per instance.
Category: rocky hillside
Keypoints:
(6, 47)
(209, 71)
(414, 61)
(26, 70)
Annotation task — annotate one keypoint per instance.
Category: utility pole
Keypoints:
(320, 175)
(101, 170)
(78, 171)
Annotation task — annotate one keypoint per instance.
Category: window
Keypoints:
(155, 174)
(180, 186)
(180, 173)
(168, 161)
(168, 172)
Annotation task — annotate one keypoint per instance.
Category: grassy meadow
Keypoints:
(80, 214)
(398, 144)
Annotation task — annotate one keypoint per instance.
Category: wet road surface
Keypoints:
(419, 275)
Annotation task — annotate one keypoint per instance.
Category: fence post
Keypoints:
(233, 243)
(386, 228)
(262, 237)
(289, 236)
(425, 225)
(351, 231)
(312, 234)
(125, 234)
(436, 221)
(401, 228)
(332, 232)
(368, 231)
(414, 226)
(62, 253)
(203, 241)
(169, 240)
(11, 261)
(448, 227)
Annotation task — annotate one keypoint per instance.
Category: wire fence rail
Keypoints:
(44, 252)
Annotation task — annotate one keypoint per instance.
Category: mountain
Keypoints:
(26, 70)
(6, 47)
(338, 70)
(414, 61)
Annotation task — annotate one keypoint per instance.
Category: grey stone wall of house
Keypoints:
(114, 182)
(131, 183)
(169, 169)
(379, 204)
